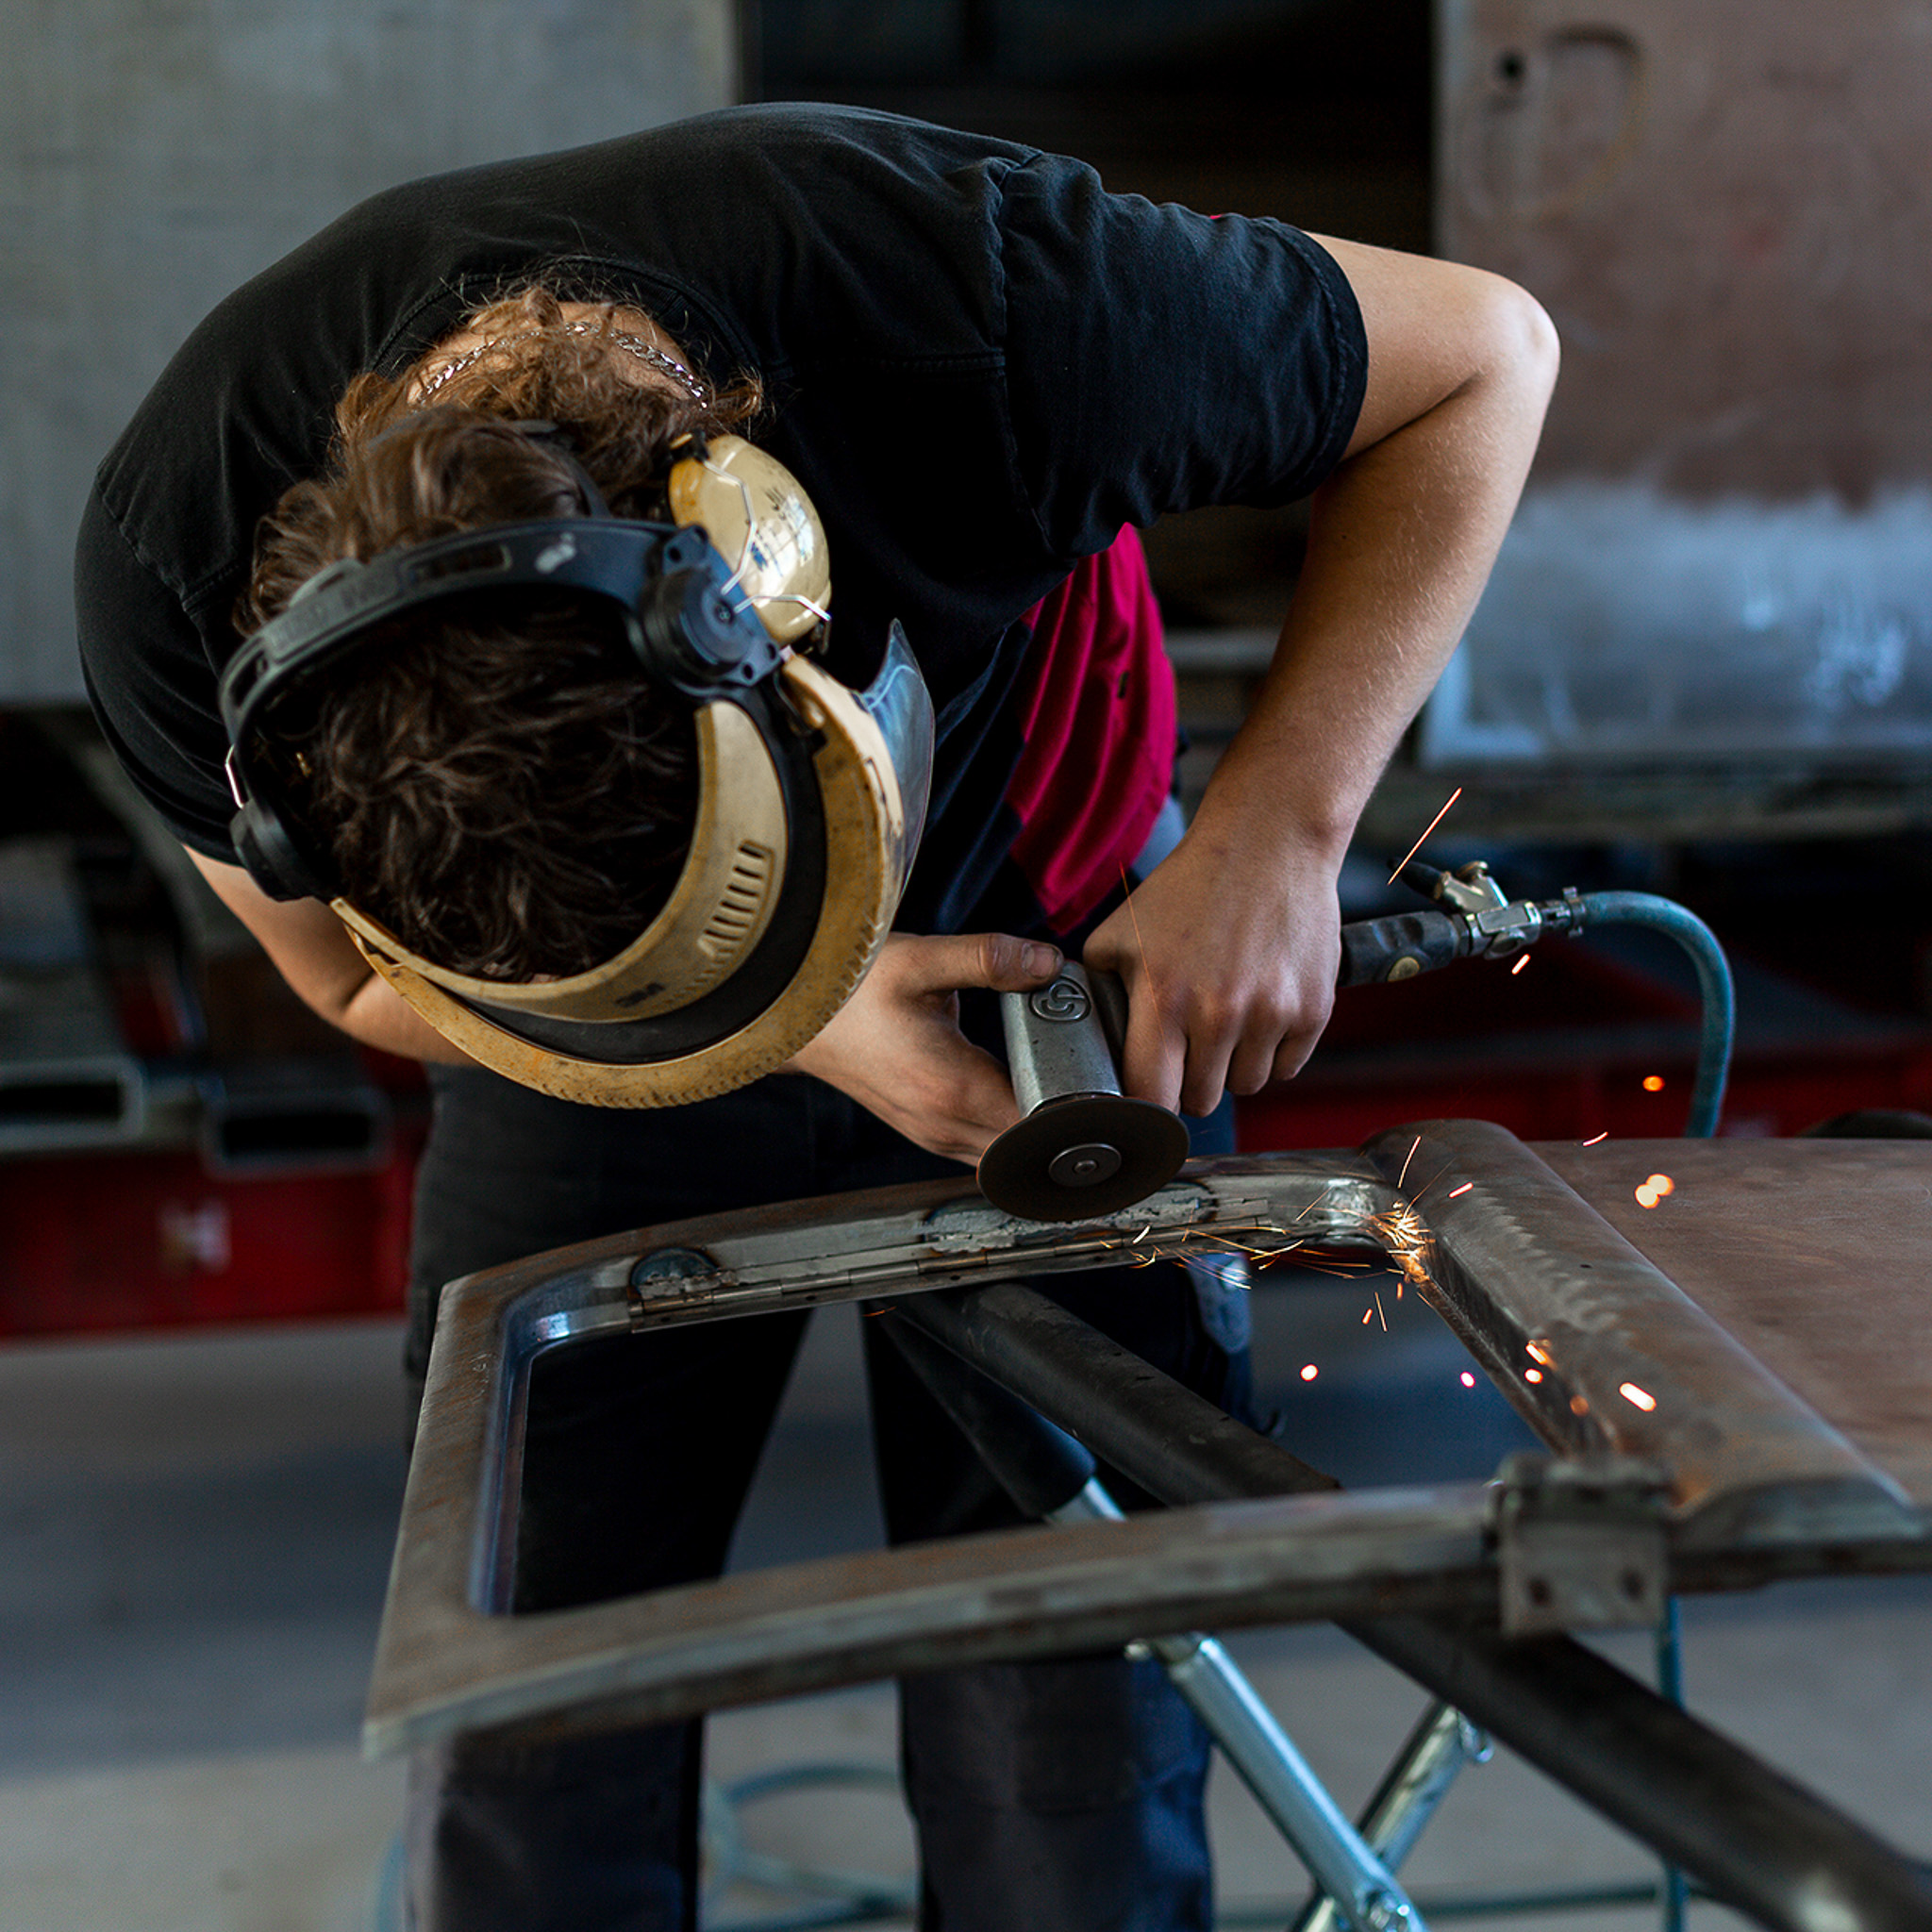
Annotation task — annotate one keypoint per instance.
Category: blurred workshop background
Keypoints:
(1703, 668)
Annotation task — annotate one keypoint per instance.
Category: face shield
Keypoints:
(811, 796)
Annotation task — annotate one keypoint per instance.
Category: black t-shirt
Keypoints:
(982, 366)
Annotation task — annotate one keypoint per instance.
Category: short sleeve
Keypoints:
(1160, 360)
(151, 686)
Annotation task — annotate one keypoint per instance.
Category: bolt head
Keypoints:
(1085, 1166)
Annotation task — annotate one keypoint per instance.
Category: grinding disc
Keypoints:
(1083, 1156)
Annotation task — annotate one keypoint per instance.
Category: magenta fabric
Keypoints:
(1098, 721)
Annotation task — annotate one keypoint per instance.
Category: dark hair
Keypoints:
(494, 784)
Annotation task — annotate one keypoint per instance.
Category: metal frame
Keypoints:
(1717, 1477)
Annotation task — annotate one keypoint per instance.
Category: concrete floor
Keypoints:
(194, 1533)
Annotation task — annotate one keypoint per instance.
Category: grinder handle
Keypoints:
(1110, 1003)
(1398, 946)
(1401, 945)
(1395, 947)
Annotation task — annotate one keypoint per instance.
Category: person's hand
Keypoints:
(1230, 956)
(895, 1045)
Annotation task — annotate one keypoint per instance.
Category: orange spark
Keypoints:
(1598, 1139)
(1635, 1397)
(1467, 1379)
(1427, 830)
(1454, 1193)
(1427, 1184)
(1406, 1159)
(1532, 1374)
(1655, 1189)
(1385, 1318)
(1139, 941)
(1538, 1351)
(1309, 1372)
(1653, 1083)
(1518, 966)
(1405, 1235)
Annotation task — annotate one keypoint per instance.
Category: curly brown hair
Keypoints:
(493, 783)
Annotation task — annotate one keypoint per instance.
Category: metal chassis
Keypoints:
(1719, 1478)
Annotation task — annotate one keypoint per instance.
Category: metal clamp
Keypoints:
(1580, 1545)
(1491, 925)
(1470, 887)
(1500, 932)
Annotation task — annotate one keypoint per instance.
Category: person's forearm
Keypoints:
(313, 952)
(374, 1014)
(1400, 541)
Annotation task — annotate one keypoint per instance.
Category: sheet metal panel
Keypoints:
(1726, 209)
(1811, 1253)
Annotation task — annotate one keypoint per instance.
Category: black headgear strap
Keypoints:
(684, 615)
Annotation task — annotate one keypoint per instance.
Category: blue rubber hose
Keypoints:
(1706, 1102)
(1713, 983)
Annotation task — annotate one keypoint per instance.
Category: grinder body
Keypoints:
(1084, 1148)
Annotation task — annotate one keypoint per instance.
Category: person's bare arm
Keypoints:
(1231, 948)
(312, 951)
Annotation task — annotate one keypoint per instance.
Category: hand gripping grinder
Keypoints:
(1084, 1149)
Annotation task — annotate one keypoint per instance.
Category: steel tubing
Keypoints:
(1442, 1743)
(1122, 1407)
(1051, 1476)
(1269, 1763)
(1748, 1835)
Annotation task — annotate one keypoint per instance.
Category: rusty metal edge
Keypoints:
(770, 1634)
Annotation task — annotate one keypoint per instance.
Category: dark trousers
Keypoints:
(1064, 1796)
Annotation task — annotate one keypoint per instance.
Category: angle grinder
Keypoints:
(1084, 1149)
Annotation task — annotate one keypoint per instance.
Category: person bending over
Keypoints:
(987, 374)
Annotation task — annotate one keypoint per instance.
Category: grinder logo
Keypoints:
(1065, 999)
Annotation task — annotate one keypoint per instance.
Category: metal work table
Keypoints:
(1735, 1384)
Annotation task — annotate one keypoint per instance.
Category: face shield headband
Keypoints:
(811, 794)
